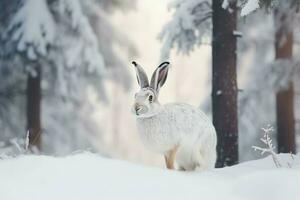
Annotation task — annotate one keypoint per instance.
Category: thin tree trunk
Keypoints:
(34, 108)
(224, 84)
(284, 97)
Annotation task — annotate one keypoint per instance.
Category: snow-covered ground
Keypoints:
(89, 176)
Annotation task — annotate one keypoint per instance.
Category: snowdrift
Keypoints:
(88, 176)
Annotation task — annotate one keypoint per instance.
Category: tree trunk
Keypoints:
(284, 97)
(34, 108)
(224, 84)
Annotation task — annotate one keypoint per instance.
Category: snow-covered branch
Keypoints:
(249, 7)
(33, 28)
(191, 22)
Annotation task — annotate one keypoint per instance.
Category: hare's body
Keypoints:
(185, 128)
(180, 132)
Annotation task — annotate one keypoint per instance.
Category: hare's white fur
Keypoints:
(182, 126)
(181, 129)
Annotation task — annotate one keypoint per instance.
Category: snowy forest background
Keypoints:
(80, 53)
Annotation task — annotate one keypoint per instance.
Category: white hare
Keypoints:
(182, 133)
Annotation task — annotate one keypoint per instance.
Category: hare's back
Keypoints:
(187, 113)
(188, 119)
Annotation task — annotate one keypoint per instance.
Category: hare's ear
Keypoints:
(159, 76)
(141, 75)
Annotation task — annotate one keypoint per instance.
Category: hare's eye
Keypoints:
(150, 98)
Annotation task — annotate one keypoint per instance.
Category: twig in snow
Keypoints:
(269, 146)
(293, 158)
(27, 141)
(14, 142)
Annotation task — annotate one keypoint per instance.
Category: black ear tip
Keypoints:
(134, 63)
(164, 64)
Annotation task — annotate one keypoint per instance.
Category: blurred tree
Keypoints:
(33, 108)
(59, 46)
(283, 17)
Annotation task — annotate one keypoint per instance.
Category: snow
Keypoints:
(249, 7)
(225, 4)
(37, 28)
(90, 176)
(237, 33)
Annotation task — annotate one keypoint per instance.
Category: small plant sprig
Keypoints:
(22, 147)
(269, 147)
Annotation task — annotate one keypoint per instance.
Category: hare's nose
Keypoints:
(137, 108)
